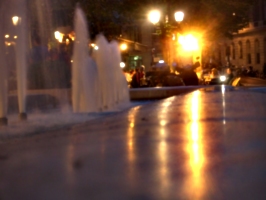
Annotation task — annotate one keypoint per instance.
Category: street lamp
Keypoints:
(123, 47)
(154, 16)
(179, 16)
(166, 29)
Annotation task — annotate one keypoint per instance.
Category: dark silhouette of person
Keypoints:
(196, 64)
(251, 72)
(38, 52)
(188, 75)
(135, 82)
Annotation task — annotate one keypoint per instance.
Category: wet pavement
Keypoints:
(208, 144)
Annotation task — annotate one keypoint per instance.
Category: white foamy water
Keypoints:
(84, 70)
(98, 83)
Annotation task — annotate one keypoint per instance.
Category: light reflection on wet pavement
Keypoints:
(203, 145)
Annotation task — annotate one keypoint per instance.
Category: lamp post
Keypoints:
(165, 29)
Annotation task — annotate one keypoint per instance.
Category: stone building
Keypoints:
(138, 38)
(248, 46)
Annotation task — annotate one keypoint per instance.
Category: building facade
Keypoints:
(138, 38)
(248, 46)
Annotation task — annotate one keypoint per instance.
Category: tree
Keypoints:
(220, 17)
(107, 16)
(214, 17)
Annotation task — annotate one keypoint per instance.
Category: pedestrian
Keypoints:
(135, 83)
(196, 64)
(142, 75)
(39, 52)
(189, 76)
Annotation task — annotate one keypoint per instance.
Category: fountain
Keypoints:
(121, 91)
(98, 83)
(19, 31)
(20, 49)
(3, 83)
(3, 73)
(84, 71)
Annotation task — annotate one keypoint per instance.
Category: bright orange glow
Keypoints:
(123, 47)
(188, 42)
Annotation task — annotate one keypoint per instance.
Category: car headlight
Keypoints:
(222, 78)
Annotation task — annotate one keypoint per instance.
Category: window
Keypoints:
(227, 53)
(240, 49)
(257, 51)
(248, 47)
(233, 51)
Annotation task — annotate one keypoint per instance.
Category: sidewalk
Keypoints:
(208, 144)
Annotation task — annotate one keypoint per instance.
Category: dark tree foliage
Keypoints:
(107, 16)
(214, 17)
(221, 17)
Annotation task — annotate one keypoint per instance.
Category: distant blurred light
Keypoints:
(15, 20)
(96, 47)
(122, 64)
(15, 37)
(173, 37)
(123, 46)
(58, 36)
(161, 61)
(6, 36)
(7, 43)
(222, 78)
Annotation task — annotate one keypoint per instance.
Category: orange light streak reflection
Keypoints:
(163, 149)
(195, 184)
(131, 154)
